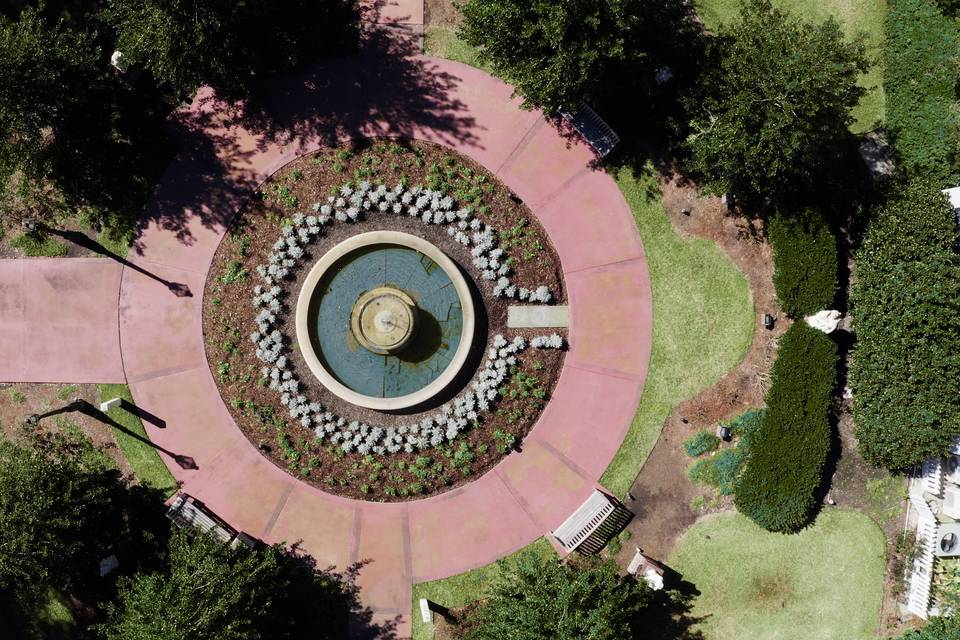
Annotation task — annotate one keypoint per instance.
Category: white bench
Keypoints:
(592, 127)
(593, 524)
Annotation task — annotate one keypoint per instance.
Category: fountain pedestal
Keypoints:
(384, 320)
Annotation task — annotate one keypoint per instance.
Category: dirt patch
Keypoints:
(19, 401)
(229, 320)
(441, 13)
(662, 492)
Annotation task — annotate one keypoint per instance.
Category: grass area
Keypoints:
(855, 16)
(67, 392)
(33, 247)
(702, 322)
(885, 498)
(822, 583)
(55, 621)
(147, 466)
(442, 42)
(459, 590)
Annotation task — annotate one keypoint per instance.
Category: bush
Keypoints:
(920, 68)
(722, 470)
(703, 442)
(936, 629)
(905, 365)
(745, 424)
(804, 261)
(784, 467)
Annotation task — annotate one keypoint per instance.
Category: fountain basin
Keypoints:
(385, 320)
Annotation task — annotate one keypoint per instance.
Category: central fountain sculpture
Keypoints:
(385, 320)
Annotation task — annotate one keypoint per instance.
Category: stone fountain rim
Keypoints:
(323, 265)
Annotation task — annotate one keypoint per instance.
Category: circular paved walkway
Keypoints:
(527, 494)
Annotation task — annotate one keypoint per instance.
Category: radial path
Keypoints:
(225, 154)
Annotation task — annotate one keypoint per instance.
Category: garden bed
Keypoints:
(229, 318)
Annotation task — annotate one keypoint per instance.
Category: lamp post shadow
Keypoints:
(178, 289)
(84, 407)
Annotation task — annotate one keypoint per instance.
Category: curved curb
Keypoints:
(526, 494)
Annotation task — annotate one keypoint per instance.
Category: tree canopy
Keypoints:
(226, 44)
(540, 599)
(209, 590)
(46, 71)
(57, 520)
(775, 99)
(556, 53)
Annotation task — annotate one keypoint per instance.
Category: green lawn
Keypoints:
(459, 590)
(33, 247)
(702, 323)
(823, 583)
(442, 42)
(147, 466)
(855, 16)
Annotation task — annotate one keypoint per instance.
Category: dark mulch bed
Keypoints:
(229, 318)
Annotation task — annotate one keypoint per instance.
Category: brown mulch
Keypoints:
(18, 401)
(441, 13)
(229, 319)
(662, 491)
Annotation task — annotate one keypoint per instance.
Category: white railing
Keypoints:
(921, 575)
(932, 471)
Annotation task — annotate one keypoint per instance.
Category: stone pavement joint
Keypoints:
(281, 503)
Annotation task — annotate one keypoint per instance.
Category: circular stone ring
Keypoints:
(310, 289)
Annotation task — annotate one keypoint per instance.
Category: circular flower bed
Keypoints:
(300, 213)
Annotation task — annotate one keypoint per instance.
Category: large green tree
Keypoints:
(556, 53)
(228, 44)
(540, 599)
(773, 104)
(905, 365)
(57, 520)
(46, 72)
(211, 591)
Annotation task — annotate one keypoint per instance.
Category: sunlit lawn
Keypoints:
(823, 583)
(702, 322)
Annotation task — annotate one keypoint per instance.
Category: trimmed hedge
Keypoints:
(804, 262)
(777, 489)
(920, 68)
(905, 366)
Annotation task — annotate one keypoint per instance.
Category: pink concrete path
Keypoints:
(59, 321)
(223, 159)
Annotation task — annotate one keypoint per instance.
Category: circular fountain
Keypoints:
(385, 320)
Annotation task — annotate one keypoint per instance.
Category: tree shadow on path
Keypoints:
(385, 90)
